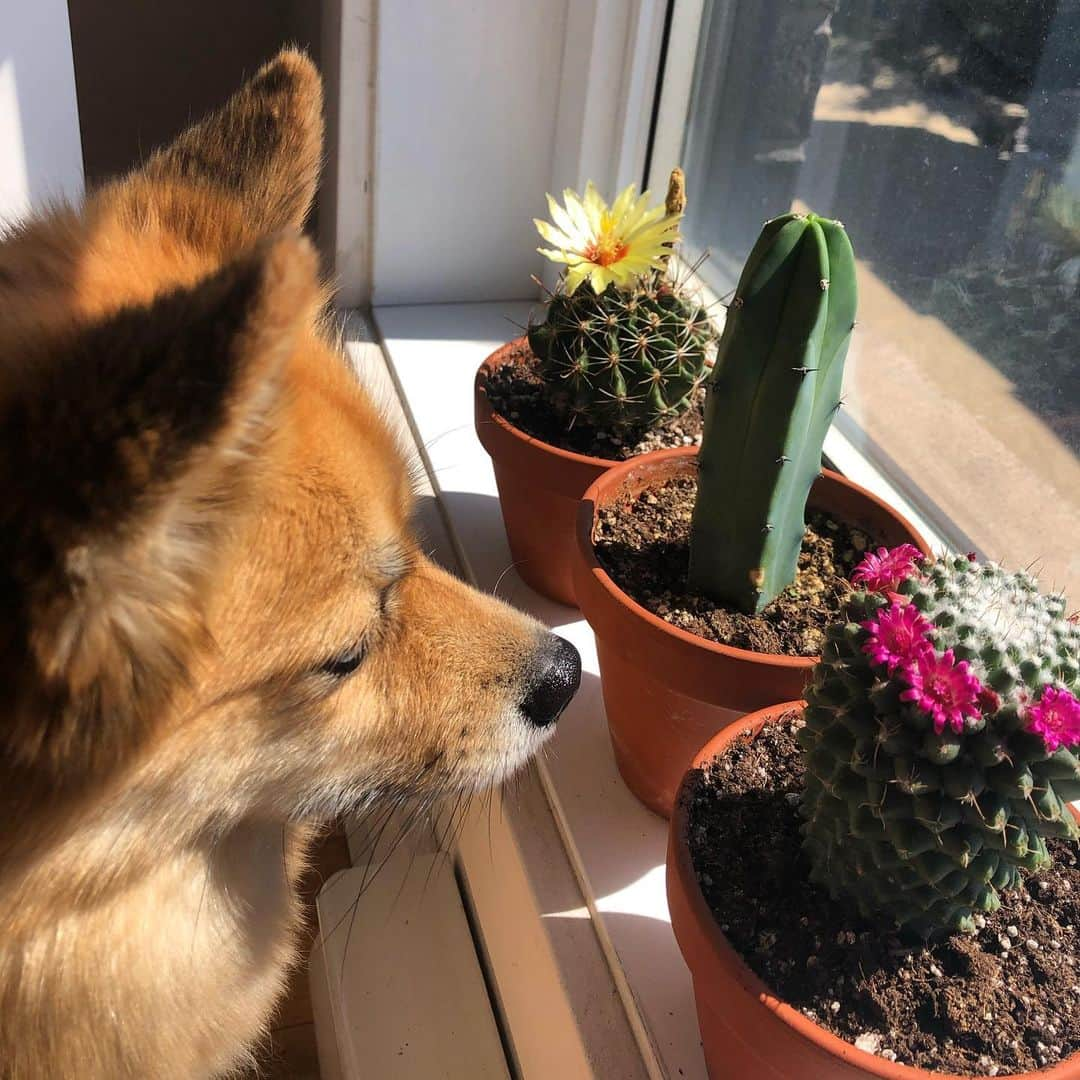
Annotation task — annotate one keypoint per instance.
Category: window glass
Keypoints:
(945, 134)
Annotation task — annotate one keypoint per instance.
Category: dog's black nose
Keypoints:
(556, 681)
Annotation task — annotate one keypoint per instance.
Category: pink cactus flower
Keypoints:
(943, 687)
(1056, 717)
(897, 634)
(884, 569)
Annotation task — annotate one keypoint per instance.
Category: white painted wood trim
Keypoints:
(346, 198)
(465, 112)
(609, 74)
(440, 160)
(550, 975)
(397, 967)
(610, 66)
(40, 147)
(676, 90)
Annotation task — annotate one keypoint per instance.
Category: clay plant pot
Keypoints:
(539, 490)
(666, 690)
(746, 1031)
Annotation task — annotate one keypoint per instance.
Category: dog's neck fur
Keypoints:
(232, 894)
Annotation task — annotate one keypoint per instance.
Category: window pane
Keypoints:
(944, 134)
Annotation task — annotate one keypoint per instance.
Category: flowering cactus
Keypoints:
(941, 740)
(629, 349)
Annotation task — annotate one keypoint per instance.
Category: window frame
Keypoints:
(609, 54)
(849, 448)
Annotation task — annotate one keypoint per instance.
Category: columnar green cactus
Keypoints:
(937, 739)
(771, 398)
(623, 358)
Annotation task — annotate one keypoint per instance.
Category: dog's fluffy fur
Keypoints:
(204, 524)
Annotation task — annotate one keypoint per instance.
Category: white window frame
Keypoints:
(609, 71)
(849, 448)
(606, 62)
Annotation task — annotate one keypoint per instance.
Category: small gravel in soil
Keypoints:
(644, 544)
(516, 392)
(987, 1004)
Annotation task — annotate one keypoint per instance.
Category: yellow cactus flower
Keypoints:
(607, 244)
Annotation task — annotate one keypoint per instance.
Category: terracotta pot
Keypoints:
(746, 1031)
(666, 690)
(539, 490)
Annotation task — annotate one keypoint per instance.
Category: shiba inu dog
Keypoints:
(217, 626)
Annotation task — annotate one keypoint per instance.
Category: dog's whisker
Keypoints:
(442, 435)
(499, 580)
(390, 806)
(206, 884)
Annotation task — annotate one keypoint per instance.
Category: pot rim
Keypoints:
(724, 954)
(586, 522)
(533, 444)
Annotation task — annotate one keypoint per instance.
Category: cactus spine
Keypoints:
(924, 819)
(771, 398)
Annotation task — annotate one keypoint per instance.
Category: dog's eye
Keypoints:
(344, 663)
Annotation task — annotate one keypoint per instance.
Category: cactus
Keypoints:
(771, 397)
(937, 740)
(630, 351)
(623, 358)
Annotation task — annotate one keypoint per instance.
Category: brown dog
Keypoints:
(217, 626)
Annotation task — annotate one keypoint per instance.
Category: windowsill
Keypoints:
(615, 845)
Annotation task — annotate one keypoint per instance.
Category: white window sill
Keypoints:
(615, 846)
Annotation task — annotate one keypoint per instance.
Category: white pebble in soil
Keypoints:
(870, 1041)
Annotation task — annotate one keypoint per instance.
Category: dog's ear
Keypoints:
(123, 454)
(264, 147)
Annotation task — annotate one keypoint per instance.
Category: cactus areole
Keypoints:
(941, 740)
(771, 397)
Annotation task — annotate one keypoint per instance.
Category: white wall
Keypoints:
(466, 102)
(482, 106)
(40, 151)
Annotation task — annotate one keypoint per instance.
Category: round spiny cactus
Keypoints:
(623, 358)
(940, 739)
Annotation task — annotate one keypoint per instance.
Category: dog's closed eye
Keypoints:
(345, 663)
(348, 660)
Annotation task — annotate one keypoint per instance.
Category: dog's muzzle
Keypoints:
(557, 678)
